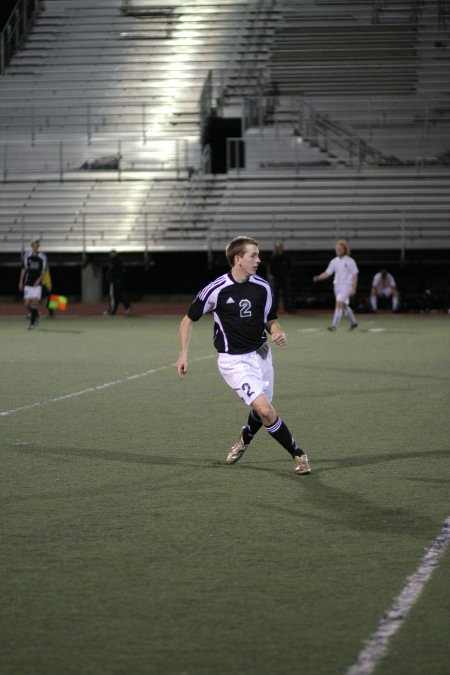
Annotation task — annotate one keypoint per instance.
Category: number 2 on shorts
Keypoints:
(247, 389)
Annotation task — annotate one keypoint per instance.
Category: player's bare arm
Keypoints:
(321, 277)
(184, 337)
(354, 284)
(276, 332)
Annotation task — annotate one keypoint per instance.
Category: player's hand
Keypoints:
(279, 337)
(181, 366)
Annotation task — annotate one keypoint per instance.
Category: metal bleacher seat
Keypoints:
(393, 209)
(106, 94)
(100, 125)
(380, 70)
(99, 214)
(358, 139)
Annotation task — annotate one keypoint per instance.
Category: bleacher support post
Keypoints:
(91, 283)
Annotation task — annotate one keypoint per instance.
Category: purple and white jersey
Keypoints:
(240, 311)
(34, 266)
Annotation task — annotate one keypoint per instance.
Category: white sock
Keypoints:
(394, 303)
(373, 302)
(350, 315)
(337, 317)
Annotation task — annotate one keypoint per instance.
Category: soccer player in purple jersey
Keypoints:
(243, 308)
(30, 282)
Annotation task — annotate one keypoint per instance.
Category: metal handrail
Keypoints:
(218, 86)
(321, 130)
(16, 29)
(380, 6)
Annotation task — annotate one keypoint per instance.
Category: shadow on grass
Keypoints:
(59, 330)
(107, 455)
(342, 508)
(319, 501)
(329, 464)
(338, 506)
(376, 371)
(370, 460)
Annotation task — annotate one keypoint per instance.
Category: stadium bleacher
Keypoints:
(100, 126)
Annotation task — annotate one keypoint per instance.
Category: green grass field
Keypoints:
(130, 547)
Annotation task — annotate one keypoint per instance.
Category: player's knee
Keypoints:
(266, 411)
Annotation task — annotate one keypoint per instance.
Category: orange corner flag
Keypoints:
(58, 302)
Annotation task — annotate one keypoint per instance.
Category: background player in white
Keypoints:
(345, 283)
(384, 286)
(31, 275)
(242, 304)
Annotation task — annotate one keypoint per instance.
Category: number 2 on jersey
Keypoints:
(246, 308)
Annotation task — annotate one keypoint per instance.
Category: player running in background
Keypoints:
(31, 275)
(345, 272)
(242, 305)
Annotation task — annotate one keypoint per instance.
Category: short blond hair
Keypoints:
(237, 246)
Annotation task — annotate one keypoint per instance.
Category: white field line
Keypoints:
(377, 644)
(97, 387)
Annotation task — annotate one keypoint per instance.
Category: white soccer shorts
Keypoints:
(342, 293)
(32, 293)
(249, 375)
(384, 292)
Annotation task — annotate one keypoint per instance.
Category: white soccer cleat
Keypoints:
(237, 450)
(301, 465)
